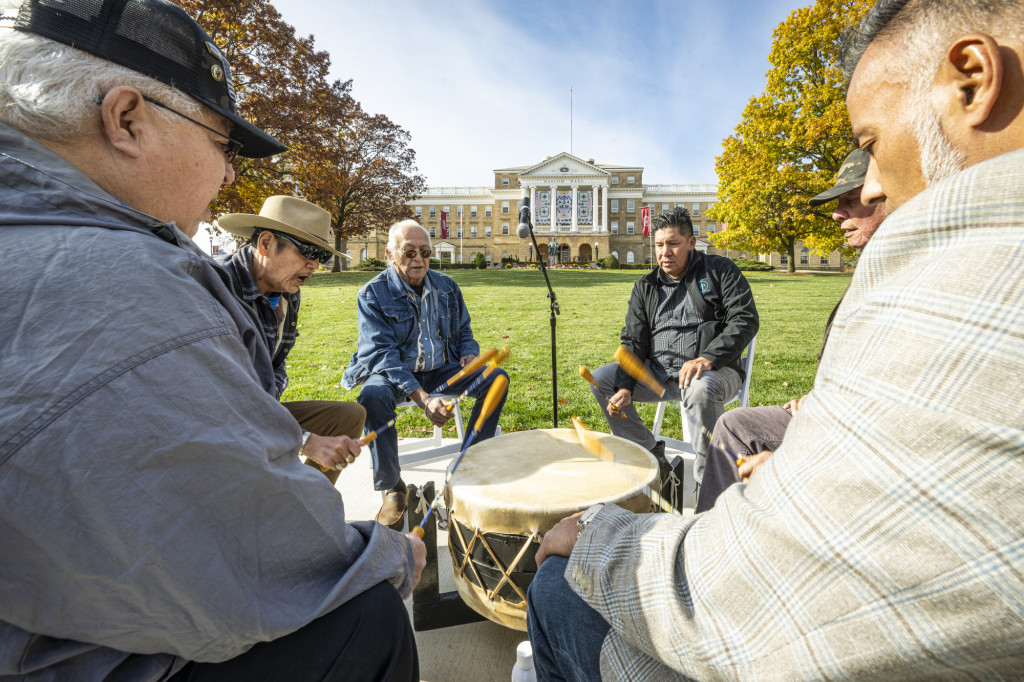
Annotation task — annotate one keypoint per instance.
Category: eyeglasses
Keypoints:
(411, 253)
(231, 148)
(307, 251)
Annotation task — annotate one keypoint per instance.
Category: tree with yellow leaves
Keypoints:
(791, 140)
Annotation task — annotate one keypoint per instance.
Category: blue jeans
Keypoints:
(565, 632)
(379, 397)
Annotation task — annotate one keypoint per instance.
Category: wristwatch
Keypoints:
(583, 520)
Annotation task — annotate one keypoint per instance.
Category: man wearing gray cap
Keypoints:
(753, 433)
(150, 486)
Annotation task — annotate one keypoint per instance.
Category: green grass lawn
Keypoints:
(510, 307)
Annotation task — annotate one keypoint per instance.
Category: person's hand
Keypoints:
(752, 464)
(794, 405)
(621, 399)
(560, 540)
(436, 411)
(331, 452)
(466, 359)
(419, 555)
(692, 369)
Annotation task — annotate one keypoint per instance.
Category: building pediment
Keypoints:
(562, 165)
(443, 245)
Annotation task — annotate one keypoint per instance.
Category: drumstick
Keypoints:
(471, 366)
(634, 367)
(372, 435)
(491, 366)
(585, 373)
(593, 445)
(494, 395)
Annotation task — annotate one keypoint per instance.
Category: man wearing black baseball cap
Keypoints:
(753, 433)
(149, 479)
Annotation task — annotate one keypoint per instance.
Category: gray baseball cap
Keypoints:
(850, 176)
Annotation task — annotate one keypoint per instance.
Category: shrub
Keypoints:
(752, 265)
(480, 262)
(368, 264)
(435, 264)
(610, 262)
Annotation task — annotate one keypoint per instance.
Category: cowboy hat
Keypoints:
(290, 215)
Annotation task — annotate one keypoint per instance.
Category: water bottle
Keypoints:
(523, 670)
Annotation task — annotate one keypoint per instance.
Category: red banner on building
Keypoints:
(645, 220)
(444, 225)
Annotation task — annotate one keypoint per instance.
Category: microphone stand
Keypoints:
(555, 310)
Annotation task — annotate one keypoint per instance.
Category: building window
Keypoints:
(711, 228)
(630, 206)
(362, 255)
(460, 256)
(472, 211)
(695, 211)
(629, 258)
(629, 227)
(616, 254)
(487, 211)
(664, 208)
(487, 257)
(615, 227)
(805, 257)
(448, 211)
(615, 205)
(504, 228)
(458, 211)
(615, 179)
(419, 211)
(472, 231)
(504, 207)
(785, 259)
(460, 231)
(433, 211)
(631, 179)
(504, 182)
(824, 260)
(487, 231)
(433, 232)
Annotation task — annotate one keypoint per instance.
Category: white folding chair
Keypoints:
(742, 395)
(412, 450)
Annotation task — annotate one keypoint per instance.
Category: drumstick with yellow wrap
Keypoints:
(635, 367)
(471, 366)
(614, 411)
(494, 395)
(592, 444)
(491, 366)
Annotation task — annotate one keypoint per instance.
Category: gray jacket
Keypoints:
(152, 505)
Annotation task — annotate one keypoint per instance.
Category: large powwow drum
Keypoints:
(510, 490)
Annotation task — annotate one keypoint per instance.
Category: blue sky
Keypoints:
(484, 85)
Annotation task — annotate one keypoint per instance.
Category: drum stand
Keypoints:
(432, 609)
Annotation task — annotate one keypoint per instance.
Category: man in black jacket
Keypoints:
(688, 321)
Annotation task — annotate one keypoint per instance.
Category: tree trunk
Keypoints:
(791, 268)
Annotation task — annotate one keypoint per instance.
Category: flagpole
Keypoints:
(461, 215)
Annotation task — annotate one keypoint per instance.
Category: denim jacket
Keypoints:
(388, 327)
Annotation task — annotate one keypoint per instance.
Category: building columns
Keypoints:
(575, 209)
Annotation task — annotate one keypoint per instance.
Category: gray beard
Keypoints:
(938, 158)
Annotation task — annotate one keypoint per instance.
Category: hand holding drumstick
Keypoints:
(613, 409)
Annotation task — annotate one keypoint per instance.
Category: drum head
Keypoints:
(529, 480)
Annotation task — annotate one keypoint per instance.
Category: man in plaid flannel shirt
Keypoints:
(884, 539)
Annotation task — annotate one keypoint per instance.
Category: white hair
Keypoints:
(398, 227)
(49, 90)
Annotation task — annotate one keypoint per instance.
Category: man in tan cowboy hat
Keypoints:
(286, 244)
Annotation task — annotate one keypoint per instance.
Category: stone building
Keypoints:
(581, 210)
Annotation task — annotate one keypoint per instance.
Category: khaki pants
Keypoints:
(328, 418)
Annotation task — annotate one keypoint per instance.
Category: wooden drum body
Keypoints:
(509, 491)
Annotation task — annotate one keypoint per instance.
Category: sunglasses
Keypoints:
(307, 251)
(231, 148)
(412, 253)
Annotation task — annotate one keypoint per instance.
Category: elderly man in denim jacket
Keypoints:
(414, 333)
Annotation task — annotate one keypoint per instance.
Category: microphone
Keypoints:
(523, 231)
